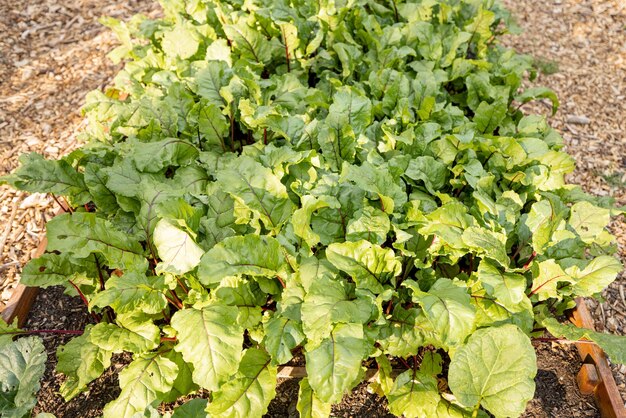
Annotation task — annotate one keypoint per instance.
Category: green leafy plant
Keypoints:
(351, 182)
(22, 364)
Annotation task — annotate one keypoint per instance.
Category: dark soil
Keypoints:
(556, 396)
(557, 393)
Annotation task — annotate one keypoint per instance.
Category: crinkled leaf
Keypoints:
(281, 336)
(487, 243)
(428, 170)
(301, 218)
(369, 224)
(110, 337)
(195, 408)
(246, 295)
(328, 302)
(350, 107)
(130, 292)
(37, 174)
(595, 276)
(402, 335)
(249, 43)
(54, 269)
(153, 157)
(588, 220)
(448, 312)
(259, 189)
(181, 42)
(508, 288)
(22, 364)
(378, 182)
(414, 394)
(549, 275)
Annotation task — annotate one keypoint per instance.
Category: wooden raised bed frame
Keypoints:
(595, 376)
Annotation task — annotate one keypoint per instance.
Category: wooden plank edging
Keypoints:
(596, 376)
(23, 297)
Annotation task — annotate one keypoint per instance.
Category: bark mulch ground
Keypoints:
(584, 43)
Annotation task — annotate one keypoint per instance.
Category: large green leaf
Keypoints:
(81, 234)
(153, 157)
(8, 331)
(259, 189)
(448, 223)
(142, 338)
(402, 335)
(210, 339)
(282, 335)
(508, 288)
(614, 345)
(428, 170)
(81, 361)
(595, 276)
(350, 108)
(414, 394)
(22, 364)
(56, 269)
(334, 364)
(37, 174)
(541, 223)
(368, 264)
(252, 255)
(377, 181)
(301, 219)
(588, 220)
(130, 292)
(249, 392)
(246, 296)
(195, 408)
(144, 381)
(249, 43)
(328, 302)
(495, 369)
(181, 42)
(449, 315)
(548, 275)
(309, 405)
(487, 243)
(177, 250)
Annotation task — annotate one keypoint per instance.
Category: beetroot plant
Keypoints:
(352, 182)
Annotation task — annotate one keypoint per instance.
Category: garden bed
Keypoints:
(557, 394)
(522, 253)
(557, 389)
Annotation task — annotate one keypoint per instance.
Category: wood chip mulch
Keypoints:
(53, 53)
(584, 41)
